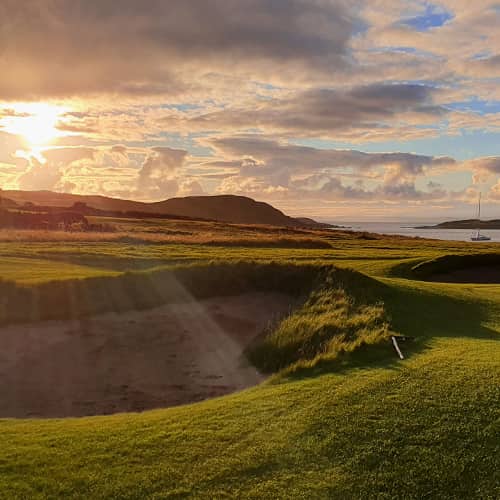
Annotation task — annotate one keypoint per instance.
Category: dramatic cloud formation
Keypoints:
(133, 47)
(320, 106)
(358, 112)
(294, 170)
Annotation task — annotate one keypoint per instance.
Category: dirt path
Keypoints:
(171, 355)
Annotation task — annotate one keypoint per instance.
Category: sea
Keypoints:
(409, 229)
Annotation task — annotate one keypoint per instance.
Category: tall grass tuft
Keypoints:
(329, 323)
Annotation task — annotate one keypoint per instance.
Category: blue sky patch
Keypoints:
(432, 17)
(476, 106)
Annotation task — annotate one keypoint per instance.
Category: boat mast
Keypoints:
(479, 215)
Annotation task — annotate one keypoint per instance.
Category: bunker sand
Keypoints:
(133, 361)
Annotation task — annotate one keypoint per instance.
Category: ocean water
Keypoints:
(408, 229)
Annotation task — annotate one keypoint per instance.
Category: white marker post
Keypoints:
(396, 346)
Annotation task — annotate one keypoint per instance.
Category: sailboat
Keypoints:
(477, 236)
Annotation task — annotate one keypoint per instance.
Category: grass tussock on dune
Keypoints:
(332, 322)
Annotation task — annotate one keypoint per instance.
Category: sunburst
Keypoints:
(35, 123)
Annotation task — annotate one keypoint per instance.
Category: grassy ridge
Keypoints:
(74, 298)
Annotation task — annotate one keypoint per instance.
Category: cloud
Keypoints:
(267, 169)
(157, 176)
(12, 113)
(489, 164)
(190, 187)
(109, 171)
(494, 192)
(483, 169)
(371, 111)
(262, 155)
(62, 48)
(274, 168)
(485, 67)
(119, 149)
(64, 156)
(48, 169)
(38, 176)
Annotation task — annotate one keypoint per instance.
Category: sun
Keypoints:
(36, 123)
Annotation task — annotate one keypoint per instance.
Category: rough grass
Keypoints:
(329, 324)
(178, 232)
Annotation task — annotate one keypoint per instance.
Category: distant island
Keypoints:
(465, 224)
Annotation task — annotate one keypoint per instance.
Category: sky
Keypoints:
(335, 109)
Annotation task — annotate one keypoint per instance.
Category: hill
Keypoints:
(223, 208)
(465, 224)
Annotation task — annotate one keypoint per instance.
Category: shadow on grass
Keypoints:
(449, 263)
(426, 313)
(415, 313)
(76, 298)
(422, 312)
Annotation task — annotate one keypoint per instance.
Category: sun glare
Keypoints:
(36, 123)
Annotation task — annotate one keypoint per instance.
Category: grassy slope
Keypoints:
(32, 271)
(426, 427)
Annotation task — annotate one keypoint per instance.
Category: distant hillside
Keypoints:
(465, 224)
(51, 199)
(227, 208)
(224, 208)
(7, 203)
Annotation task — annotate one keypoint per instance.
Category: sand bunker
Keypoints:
(479, 274)
(133, 361)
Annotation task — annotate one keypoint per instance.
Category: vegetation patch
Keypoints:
(337, 319)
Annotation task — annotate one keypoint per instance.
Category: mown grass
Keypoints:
(345, 418)
(31, 271)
